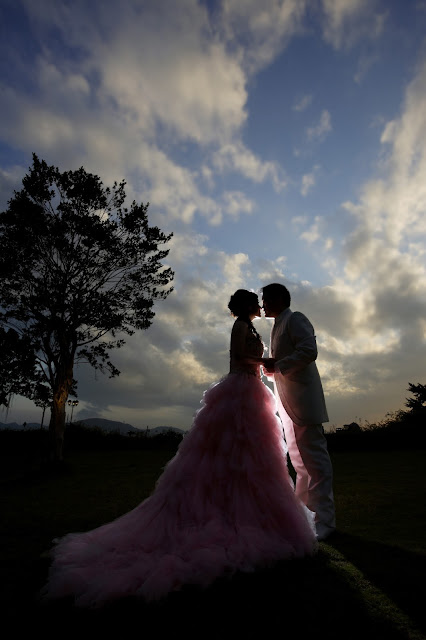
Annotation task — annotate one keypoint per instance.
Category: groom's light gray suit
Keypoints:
(302, 409)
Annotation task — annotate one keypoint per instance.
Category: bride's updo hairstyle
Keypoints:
(242, 304)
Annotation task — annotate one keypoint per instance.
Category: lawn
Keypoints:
(367, 582)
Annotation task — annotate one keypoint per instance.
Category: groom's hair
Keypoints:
(277, 291)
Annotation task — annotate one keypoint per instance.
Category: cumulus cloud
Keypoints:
(167, 71)
(384, 282)
(235, 156)
(391, 210)
(236, 203)
(370, 318)
(143, 84)
(174, 75)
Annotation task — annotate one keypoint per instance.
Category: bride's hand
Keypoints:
(268, 365)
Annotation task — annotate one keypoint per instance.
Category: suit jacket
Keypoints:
(297, 381)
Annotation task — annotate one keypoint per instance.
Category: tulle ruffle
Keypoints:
(224, 503)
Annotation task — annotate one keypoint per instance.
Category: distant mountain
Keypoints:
(124, 428)
(14, 426)
(102, 423)
(109, 425)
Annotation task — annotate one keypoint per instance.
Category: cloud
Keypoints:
(173, 188)
(303, 103)
(313, 233)
(259, 31)
(320, 131)
(364, 65)
(345, 22)
(391, 210)
(370, 317)
(173, 76)
(309, 180)
(233, 269)
(236, 157)
(10, 181)
(142, 85)
(161, 68)
(299, 220)
(236, 203)
(384, 274)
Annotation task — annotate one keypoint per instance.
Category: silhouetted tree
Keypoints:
(18, 365)
(417, 405)
(353, 427)
(76, 269)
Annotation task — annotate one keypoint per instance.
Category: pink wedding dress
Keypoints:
(224, 503)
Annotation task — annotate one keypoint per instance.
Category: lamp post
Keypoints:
(72, 404)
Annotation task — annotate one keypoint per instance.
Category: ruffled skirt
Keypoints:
(224, 503)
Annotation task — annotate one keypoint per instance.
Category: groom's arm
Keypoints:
(305, 349)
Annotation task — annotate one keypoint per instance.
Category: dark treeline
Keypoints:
(403, 429)
(79, 437)
(400, 430)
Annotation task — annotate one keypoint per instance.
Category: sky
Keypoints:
(280, 141)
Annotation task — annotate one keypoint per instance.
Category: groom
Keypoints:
(301, 404)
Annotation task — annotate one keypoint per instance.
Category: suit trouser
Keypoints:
(307, 449)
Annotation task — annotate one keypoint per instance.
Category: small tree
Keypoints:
(417, 405)
(76, 269)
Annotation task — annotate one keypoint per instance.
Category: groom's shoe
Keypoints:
(324, 532)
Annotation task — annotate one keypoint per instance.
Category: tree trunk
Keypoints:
(57, 427)
(57, 419)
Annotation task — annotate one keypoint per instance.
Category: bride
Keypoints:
(224, 503)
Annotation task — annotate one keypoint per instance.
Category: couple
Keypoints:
(225, 502)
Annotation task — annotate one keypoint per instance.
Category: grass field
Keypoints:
(367, 582)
